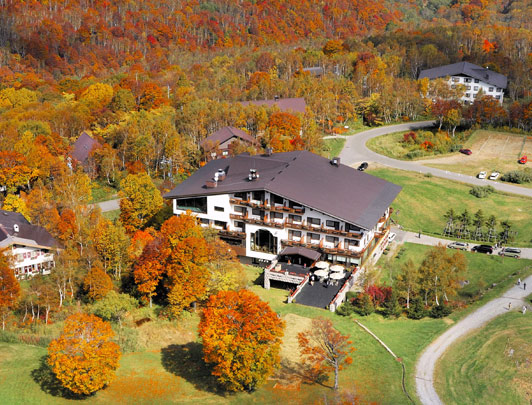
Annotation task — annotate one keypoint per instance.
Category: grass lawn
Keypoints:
(102, 192)
(390, 145)
(111, 215)
(424, 200)
(332, 147)
(489, 366)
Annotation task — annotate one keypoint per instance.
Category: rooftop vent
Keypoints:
(219, 175)
(335, 161)
(253, 175)
(276, 98)
(16, 228)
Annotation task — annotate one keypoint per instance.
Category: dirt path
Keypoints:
(427, 362)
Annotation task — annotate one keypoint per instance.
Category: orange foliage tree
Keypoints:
(241, 339)
(97, 283)
(325, 348)
(149, 269)
(83, 358)
(9, 288)
(284, 132)
(185, 265)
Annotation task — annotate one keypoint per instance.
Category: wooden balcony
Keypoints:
(232, 234)
(265, 205)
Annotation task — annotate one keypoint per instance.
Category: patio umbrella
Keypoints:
(337, 276)
(321, 273)
(322, 265)
(337, 268)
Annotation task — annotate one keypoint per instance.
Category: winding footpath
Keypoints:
(427, 362)
(355, 151)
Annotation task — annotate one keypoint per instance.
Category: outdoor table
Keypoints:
(337, 268)
(321, 273)
(337, 276)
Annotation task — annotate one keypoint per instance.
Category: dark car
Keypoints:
(363, 166)
(466, 151)
(483, 249)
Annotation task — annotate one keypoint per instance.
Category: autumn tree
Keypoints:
(114, 306)
(324, 348)
(9, 288)
(84, 358)
(97, 283)
(440, 273)
(14, 203)
(149, 269)
(140, 200)
(407, 282)
(225, 270)
(283, 133)
(241, 339)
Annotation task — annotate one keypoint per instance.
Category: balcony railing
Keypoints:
(323, 248)
(234, 234)
(265, 205)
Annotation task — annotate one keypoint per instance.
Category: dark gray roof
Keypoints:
(284, 104)
(301, 251)
(82, 147)
(33, 234)
(225, 134)
(314, 70)
(303, 177)
(467, 69)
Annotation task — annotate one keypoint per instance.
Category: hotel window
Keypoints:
(453, 86)
(332, 239)
(225, 153)
(294, 218)
(313, 237)
(219, 209)
(475, 88)
(456, 79)
(204, 221)
(468, 87)
(333, 224)
(293, 234)
(277, 215)
(467, 95)
(351, 242)
(277, 199)
(497, 97)
(220, 224)
(257, 195)
(499, 90)
(475, 95)
(241, 210)
(477, 81)
(314, 221)
(467, 80)
(490, 89)
(241, 196)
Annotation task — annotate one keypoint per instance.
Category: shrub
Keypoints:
(429, 175)
(417, 309)
(481, 191)
(345, 309)
(392, 308)
(517, 176)
(440, 311)
(415, 154)
(364, 304)
(351, 295)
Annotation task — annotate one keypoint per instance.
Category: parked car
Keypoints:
(391, 236)
(483, 249)
(511, 252)
(363, 166)
(458, 245)
(482, 175)
(523, 160)
(494, 175)
(466, 151)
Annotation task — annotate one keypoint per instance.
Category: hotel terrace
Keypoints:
(291, 210)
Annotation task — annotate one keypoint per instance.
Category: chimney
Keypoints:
(253, 175)
(335, 161)
(220, 174)
(276, 98)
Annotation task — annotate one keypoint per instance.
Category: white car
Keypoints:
(494, 175)
(482, 175)
(391, 236)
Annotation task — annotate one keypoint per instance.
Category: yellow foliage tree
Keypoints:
(11, 98)
(97, 95)
(14, 203)
(97, 283)
(83, 358)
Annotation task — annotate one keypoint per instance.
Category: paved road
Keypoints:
(355, 151)
(412, 237)
(110, 205)
(426, 363)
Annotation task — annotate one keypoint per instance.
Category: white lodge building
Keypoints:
(473, 77)
(264, 203)
(30, 246)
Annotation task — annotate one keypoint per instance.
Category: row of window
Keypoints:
(468, 95)
(475, 88)
(316, 237)
(29, 255)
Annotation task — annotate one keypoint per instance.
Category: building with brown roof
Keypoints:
(83, 147)
(218, 144)
(265, 203)
(31, 246)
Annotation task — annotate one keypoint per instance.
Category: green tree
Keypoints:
(114, 306)
(407, 282)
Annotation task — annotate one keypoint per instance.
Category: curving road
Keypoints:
(356, 151)
(427, 362)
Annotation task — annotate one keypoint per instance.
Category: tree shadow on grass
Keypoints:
(290, 370)
(46, 379)
(186, 362)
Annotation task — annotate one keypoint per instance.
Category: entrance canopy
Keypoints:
(300, 251)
